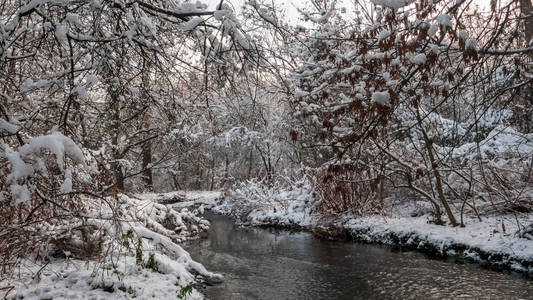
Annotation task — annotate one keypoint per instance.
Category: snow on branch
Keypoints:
(395, 4)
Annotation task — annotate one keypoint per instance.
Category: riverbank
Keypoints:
(143, 259)
(494, 242)
(270, 263)
(79, 279)
(482, 242)
(500, 242)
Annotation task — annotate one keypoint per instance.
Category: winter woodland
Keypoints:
(350, 112)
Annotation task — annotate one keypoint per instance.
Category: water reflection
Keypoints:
(270, 264)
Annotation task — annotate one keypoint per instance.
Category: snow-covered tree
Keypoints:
(87, 86)
(393, 89)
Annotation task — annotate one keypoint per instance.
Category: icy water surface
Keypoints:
(271, 264)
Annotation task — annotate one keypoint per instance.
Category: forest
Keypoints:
(407, 123)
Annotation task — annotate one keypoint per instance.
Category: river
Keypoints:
(261, 263)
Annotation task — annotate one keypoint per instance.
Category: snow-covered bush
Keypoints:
(38, 195)
(44, 215)
(49, 211)
(286, 201)
(118, 239)
(349, 191)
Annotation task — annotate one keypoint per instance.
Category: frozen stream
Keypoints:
(273, 264)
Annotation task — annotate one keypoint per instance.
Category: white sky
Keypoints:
(287, 5)
(290, 6)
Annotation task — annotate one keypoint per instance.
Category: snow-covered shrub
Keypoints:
(350, 191)
(135, 250)
(285, 201)
(106, 231)
(156, 228)
(49, 210)
(37, 195)
(495, 171)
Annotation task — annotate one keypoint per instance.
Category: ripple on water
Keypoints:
(271, 264)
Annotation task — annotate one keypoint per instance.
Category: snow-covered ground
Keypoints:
(164, 270)
(485, 242)
(75, 279)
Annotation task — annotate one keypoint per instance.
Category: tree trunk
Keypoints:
(526, 118)
(436, 173)
(250, 159)
(147, 168)
(147, 147)
(526, 10)
(115, 137)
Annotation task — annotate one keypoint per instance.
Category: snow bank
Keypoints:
(494, 241)
(75, 279)
(143, 257)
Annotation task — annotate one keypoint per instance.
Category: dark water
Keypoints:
(271, 264)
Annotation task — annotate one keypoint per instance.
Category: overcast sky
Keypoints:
(290, 6)
(287, 5)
